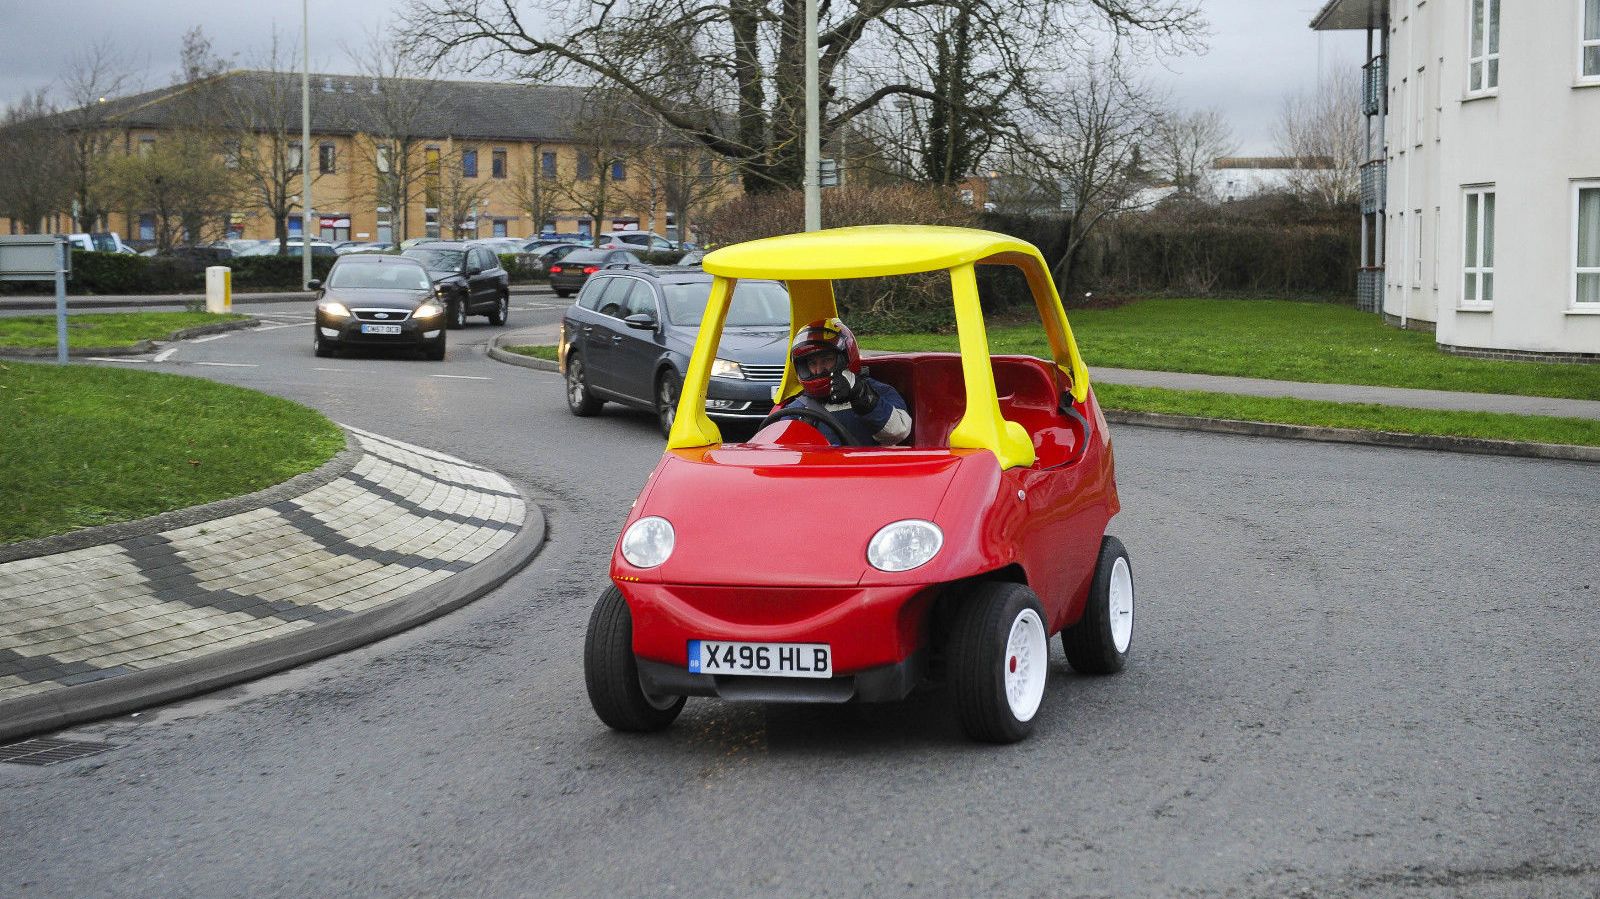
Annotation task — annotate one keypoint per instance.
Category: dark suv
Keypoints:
(629, 335)
(469, 280)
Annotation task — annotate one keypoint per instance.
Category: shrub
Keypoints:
(281, 272)
(520, 267)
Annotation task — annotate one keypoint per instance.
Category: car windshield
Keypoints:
(438, 260)
(378, 277)
(755, 303)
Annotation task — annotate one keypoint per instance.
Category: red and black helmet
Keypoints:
(822, 350)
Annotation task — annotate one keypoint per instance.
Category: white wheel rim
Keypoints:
(1121, 602)
(1027, 660)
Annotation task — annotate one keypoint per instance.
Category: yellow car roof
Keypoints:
(866, 251)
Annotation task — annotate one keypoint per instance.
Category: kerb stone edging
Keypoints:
(59, 708)
(1478, 445)
(500, 355)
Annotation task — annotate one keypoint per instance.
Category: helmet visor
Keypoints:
(816, 362)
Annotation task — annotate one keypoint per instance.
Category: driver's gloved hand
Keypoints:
(858, 392)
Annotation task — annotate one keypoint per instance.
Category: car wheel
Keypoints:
(319, 346)
(579, 399)
(563, 292)
(999, 661)
(434, 352)
(502, 310)
(456, 314)
(668, 387)
(611, 673)
(1099, 642)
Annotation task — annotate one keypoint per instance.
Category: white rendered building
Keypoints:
(1481, 202)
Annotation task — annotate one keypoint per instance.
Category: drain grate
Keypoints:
(46, 751)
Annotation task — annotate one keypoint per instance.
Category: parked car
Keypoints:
(568, 275)
(363, 246)
(498, 245)
(468, 278)
(372, 300)
(953, 557)
(100, 242)
(628, 337)
(548, 239)
(693, 257)
(643, 241)
(295, 247)
(547, 256)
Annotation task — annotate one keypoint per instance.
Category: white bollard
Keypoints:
(219, 288)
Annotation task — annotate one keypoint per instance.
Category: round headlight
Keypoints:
(647, 542)
(904, 545)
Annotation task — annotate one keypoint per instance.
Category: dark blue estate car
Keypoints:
(628, 337)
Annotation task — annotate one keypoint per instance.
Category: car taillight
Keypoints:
(555, 269)
(590, 269)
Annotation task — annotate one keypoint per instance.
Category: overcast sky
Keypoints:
(1260, 50)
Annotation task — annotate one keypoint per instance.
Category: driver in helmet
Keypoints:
(828, 366)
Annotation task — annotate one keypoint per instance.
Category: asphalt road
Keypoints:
(1356, 672)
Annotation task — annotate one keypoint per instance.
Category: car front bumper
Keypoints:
(347, 331)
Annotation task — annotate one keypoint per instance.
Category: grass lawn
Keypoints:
(85, 446)
(1275, 339)
(537, 352)
(102, 329)
(1361, 416)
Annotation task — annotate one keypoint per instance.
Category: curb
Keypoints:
(500, 355)
(138, 349)
(1476, 445)
(148, 299)
(66, 706)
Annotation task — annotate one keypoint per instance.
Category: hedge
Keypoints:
(121, 273)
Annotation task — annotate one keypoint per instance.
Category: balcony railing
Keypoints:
(1374, 186)
(1374, 85)
(1369, 290)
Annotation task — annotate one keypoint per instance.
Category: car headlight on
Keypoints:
(723, 368)
(648, 542)
(428, 310)
(904, 545)
(333, 308)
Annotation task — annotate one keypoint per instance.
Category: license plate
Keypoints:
(768, 659)
(380, 329)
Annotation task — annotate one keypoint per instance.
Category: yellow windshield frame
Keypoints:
(810, 262)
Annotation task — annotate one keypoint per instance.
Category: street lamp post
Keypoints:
(305, 142)
(813, 190)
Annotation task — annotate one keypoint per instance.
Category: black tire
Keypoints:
(563, 292)
(434, 352)
(502, 310)
(1092, 644)
(455, 314)
(611, 673)
(668, 388)
(322, 348)
(979, 658)
(580, 399)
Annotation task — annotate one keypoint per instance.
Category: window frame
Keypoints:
(1573, 303)
(1585, 43)
(327, 158)
(1479, 270)
(1488, 59)
(497, 163)
(469, 163)
(547, 164)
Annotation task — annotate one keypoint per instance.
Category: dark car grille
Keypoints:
(381, 315)
(773, 373)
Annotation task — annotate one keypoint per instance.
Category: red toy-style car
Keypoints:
(788, 570)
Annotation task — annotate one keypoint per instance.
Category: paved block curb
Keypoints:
(499, 355)
(387, 487)
(138, 349)
(1475, 445)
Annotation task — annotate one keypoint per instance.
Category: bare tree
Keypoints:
(1322, 130)
(535, 191)
(396, 151)
(456, 196)
(730, 73)
(97, 73)
(263, 134)
(182, 183)
(1184, 147)
(607, 138)
(34, 163)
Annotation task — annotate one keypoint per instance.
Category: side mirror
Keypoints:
(314, 284)
(641, 321)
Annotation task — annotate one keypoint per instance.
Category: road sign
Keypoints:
(828, 172)
(40, 257)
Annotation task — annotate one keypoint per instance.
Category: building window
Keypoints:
(325, 159)
(147, 226)
(1483, 47)
(618, 173)
(430, 224)
(499, 228)
(469, 163)
(147, 145)
(547, 164)
(1589, 46)
(585, 167)
(382, 159)
(295, 156)
(497, 164)
(1587, 232)
(1478, 282)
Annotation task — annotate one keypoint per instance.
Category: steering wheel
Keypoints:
(813, 417)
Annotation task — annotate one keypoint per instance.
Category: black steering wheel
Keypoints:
(813, 417)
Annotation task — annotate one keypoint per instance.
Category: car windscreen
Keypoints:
(579, 257)
(438, 260)
(366, 276)
(754, 303)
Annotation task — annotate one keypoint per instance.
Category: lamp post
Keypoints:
(813, 190)
(305, 142)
